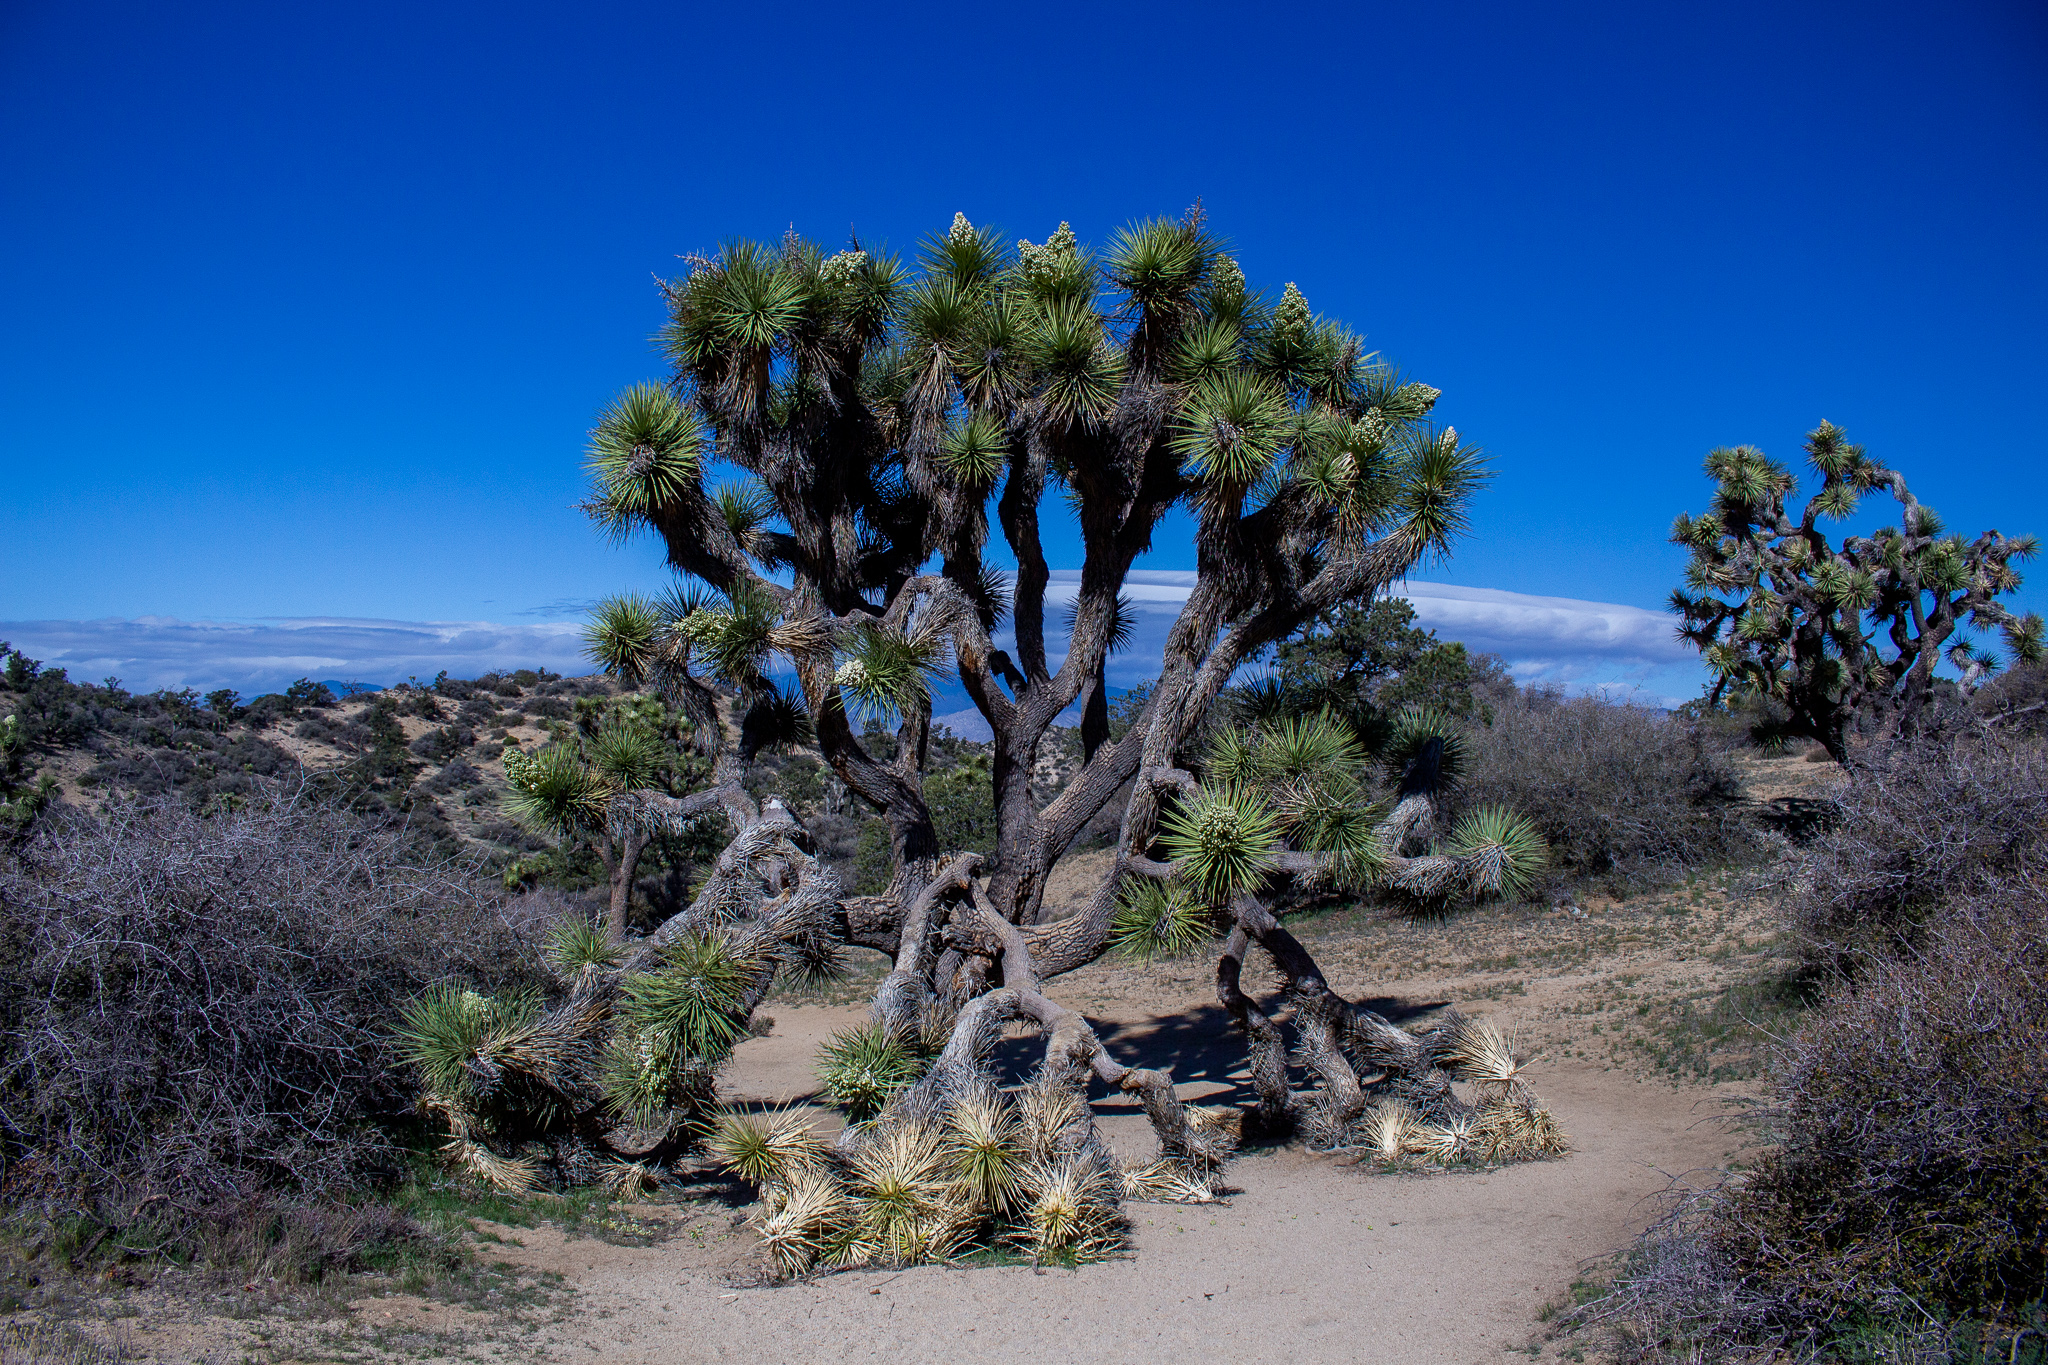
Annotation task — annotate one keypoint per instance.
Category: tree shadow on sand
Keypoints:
(1199, 1046)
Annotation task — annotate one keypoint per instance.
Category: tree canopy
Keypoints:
(887, 421)
(1833, 631)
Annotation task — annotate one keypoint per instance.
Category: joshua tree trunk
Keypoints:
(621, 870)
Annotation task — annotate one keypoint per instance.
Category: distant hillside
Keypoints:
(431, 757)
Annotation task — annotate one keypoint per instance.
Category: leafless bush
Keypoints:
(1910, 1179)
(531, 915)
(1958, 815)
(1616, 789)
(196, 1005)
(2019, 700)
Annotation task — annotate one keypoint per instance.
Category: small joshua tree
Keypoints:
(1832, 632)
(614, 787)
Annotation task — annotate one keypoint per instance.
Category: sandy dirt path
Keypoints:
(1312, 1259)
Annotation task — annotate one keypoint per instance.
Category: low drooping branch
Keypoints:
(610, 1083)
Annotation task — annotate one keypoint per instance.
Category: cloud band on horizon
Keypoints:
(1571, 641)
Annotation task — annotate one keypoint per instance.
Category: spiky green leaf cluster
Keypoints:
(1310, 774)
(1502, 853)
(621, 634)
(693, 1001)
(626, 756)
(575, 943)
(442, 1032)
(554, 790)
(886, 670)
(1416, 730)
(735, 636)
(1224, 835)
(644, 452)
(862, 1069)
(1156, 920)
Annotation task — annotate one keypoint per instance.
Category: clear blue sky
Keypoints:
(307, 307)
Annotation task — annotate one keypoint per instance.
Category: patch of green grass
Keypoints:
(1720, 1036)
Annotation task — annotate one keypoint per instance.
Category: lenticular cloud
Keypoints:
(156, 651)
(1581, 644)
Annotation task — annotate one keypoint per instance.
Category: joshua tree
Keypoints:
(1778, 611)
(614, 787)
(882, 418)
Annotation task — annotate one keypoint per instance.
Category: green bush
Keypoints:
(961, 800)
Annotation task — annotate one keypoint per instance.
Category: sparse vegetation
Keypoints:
(1905, 1190)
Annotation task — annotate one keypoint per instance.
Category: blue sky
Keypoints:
(307, 308)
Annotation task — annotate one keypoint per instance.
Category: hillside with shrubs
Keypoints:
(221, 912)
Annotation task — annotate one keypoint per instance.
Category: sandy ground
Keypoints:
(1312, 1259)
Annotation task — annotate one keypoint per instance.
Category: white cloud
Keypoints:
(1516, 624)
(1582, 644)
(255, 656)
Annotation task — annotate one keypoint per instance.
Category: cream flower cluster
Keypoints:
(1039, 263)
(1227, 277)
(1418, 398)
(1291, 315)
(836, 272)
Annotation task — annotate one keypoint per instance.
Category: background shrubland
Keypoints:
(1623, 792)
(198, 1004)
(1626, 794)
(1898, 1213)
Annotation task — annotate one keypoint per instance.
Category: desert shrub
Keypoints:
(477, 711)
(961, 800)
(1918, 824)
(2016, 702)
(442, 743)
(306, 692)
(1911, 1173)
(1615, 788)
(871, 858)
(196, 1006)
(272, 708)
(458, 774)
(1908, 1184)
(421, 702)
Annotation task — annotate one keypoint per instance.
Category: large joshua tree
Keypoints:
(883, 422)
(884, 417)
(1831, 632)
